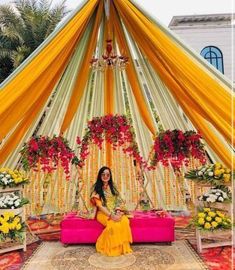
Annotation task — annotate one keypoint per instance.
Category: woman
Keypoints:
(116, 237)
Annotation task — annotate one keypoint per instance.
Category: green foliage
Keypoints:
(23, 28)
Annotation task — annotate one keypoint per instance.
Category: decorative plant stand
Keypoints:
(218, 238)
(10, 244)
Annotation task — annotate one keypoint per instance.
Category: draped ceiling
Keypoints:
(56, 86)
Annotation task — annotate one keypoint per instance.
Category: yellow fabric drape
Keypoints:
(18, 95)
(31, 115)
(195, 88)
(108, 107)
(82, 76)
(131, 74)
(108, 92)
(108, 89)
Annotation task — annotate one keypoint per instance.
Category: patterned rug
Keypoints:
(52, 255)
(219, 258)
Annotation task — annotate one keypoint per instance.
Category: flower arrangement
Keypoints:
(11, 226)
(116, 130)
(209, 220)
(48, 152)
(11, 178)
(215, 174)
(12, 201)
(175, 147)
(216, 194)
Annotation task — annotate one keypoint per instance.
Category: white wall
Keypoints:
(203, 36)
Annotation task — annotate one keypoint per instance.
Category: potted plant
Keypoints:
(11, 228)
(211, 220)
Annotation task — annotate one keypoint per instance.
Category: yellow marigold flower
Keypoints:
(226, 177)
(16, 219)
(201, 221)
(11, 214)
(218, 219)
(221, 171)
(200, 214)
(206, 209)
(227, 170)
(218, 165)
(220, 214)
(217, 172)
(5, 228)
(6, 217)
(212, 214)
(214, 224)
(18, 227)
(11, 226)
(207, 225)
(208, 218)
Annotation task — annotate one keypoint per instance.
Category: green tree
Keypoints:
(23, 27)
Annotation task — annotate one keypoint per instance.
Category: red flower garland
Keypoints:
(176, 147)
(116, 130)
(48, 152)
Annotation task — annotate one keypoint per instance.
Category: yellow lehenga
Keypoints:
(116, 237)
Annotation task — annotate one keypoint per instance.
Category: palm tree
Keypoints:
(23, 27)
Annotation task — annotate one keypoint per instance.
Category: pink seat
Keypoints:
(145, 227)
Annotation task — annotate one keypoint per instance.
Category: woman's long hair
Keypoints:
(98, 186)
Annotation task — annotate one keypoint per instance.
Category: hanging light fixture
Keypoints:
(109, 59)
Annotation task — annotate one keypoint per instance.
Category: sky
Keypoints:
(164, 10)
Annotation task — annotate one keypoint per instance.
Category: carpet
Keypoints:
(52, 256)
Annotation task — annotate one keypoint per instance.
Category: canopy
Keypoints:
(55, 91)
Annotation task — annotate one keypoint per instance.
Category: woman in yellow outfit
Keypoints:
(116, 237)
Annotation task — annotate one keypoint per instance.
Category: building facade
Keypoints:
(210, 35)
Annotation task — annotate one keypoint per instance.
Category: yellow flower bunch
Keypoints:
(211, 219)
(11, 178)
(221, 172)
(213, 173)
(11, 226)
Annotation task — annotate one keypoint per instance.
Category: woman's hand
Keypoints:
(119, 212)
(116, 217)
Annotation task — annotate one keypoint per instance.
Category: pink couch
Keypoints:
(145, 227)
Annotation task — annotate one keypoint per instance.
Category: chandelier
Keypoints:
(109, 59)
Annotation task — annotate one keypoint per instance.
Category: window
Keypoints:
(214, 56)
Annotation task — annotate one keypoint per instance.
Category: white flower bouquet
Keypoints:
(217, 194)
(10, 178)
(12, 201)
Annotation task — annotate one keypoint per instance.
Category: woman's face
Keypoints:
(105, 176)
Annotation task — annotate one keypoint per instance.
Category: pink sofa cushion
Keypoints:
(145, 227)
